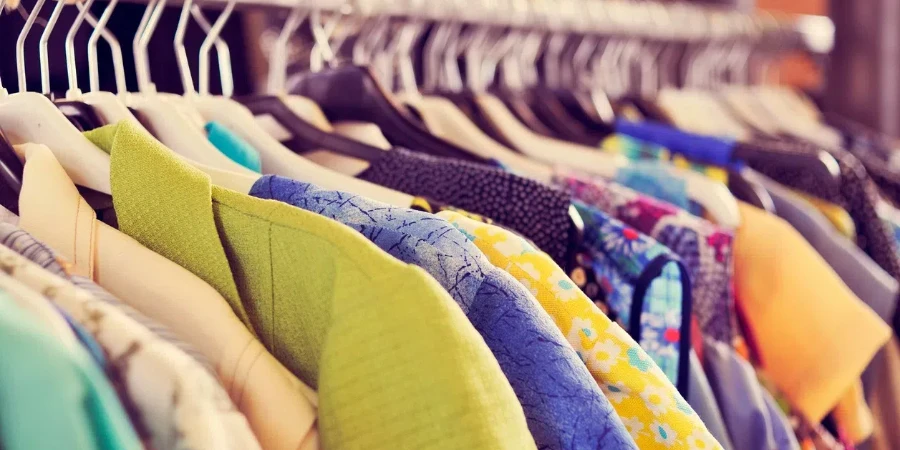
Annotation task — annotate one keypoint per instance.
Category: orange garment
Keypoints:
(814, 337)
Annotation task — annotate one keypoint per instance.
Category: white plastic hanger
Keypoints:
(30, 117)
(171, 121)
(107, 105)
(445, 119)
(276, 158)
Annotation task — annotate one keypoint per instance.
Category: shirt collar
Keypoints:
(166, 205)
(52, 210)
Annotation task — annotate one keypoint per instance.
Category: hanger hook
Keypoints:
(20, 44)
(71, 68)
(212, 36)
(278, 57)
(42, 47)
(118, 60)
(144, 74)
(321, 34)
(184, 67)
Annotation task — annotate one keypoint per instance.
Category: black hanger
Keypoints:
(352, 93)
(519, 104)
(549, 108)
(11, 173)
(306, 137)
(82, 115)
(751, 192)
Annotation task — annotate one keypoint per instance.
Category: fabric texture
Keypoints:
(884, 398)
(649, 288)
(740, 397)
(638, 150)
(863, 276)
(532, 209)
(656, 415)
(703, 400)
(778, 278)
(233, 146)
(704, 249)
(52, 211)
(564, 406)
(393, 357)
(179, 402)
(856, 193)
(27, 246)
(60, 399)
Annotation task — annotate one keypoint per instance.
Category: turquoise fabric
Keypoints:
(233, 146)
(52, 397)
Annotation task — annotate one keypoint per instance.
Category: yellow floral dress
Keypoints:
(651, 408)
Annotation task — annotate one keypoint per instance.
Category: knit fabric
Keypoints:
(394, 358)
(653, 411)
(532, 209)
(564, 407)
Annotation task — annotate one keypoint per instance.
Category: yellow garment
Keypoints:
(839, 217)
(884, 399)
(814, 337)
(649, 405)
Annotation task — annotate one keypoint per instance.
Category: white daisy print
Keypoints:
(657, 399)
(616, 392)
(581, 328)
(563, 287)
(634, 426)
(699, 440)
(663, 433)
(532, 271)
(510, 247)
(604, 356)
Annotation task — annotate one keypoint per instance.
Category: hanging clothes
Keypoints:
(340, 321)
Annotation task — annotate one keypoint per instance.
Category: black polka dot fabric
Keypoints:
(534, 210)
(856, 193)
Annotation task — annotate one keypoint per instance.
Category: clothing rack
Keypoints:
(639, 20)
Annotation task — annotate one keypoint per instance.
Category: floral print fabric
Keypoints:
(565, 409)
(648, 287)
(656, 415)
(704, 249)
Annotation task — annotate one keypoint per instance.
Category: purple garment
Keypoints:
(563, 404)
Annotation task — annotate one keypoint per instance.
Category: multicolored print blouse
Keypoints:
(646, 285)
(653, 411)
(704, 249)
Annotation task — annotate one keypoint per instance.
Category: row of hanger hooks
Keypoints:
(623, 45)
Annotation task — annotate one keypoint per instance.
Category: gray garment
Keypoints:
(740, 397)
(785, 439)
(702, 399)
(862, 275)
(26, 245)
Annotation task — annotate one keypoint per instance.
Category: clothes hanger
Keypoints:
(79, 113)
(11, 170)
(443, 118)
(352, 93)
(170, 119)
(286, 116)
(276, 158)
(31, 117)
(111, 107)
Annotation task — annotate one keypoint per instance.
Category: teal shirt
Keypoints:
(51, 397)
(233, 146)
